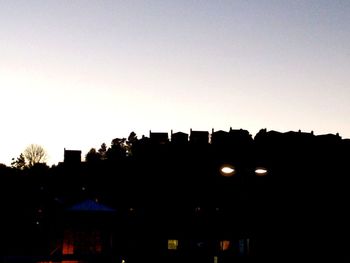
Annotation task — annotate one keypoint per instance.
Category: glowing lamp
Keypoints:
(261, 171)
(227, 170)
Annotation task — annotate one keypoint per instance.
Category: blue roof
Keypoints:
(90, 206)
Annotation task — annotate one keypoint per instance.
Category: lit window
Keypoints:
(173, 244)
(224, 245)
(82, 242)
(227, 170)
(68, 246)
(261, 171)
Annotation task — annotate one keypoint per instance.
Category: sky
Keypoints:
(77, 73)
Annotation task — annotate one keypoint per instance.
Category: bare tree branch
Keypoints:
(35, 154)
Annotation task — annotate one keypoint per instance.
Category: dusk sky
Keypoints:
(75, 74)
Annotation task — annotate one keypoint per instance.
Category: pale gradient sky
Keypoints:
(78, 73)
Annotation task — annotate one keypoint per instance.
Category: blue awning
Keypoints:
(90, 206)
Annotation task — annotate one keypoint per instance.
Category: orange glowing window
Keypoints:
(82, 242)
(68, 243)
(224, 245)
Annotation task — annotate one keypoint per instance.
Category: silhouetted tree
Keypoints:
(103, 152)
(3, 167)
(35, 154)
(117, 149)
(19, 163)
(92, 156)
(132, 139)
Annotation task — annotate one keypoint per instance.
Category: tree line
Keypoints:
(32, 155)
(119, 148)
(36, 154)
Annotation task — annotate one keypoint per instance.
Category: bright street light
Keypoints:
(227, 170)
(261, 171)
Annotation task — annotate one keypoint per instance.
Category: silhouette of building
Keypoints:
(230, 199)
(85, 232)
(199, 137)
(158, 137)
(179, 138)
(220, 138)
(72, 157)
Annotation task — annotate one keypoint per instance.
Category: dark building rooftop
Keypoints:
(72, 156)
(199, 137)
(158, 137)
(179, 138)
